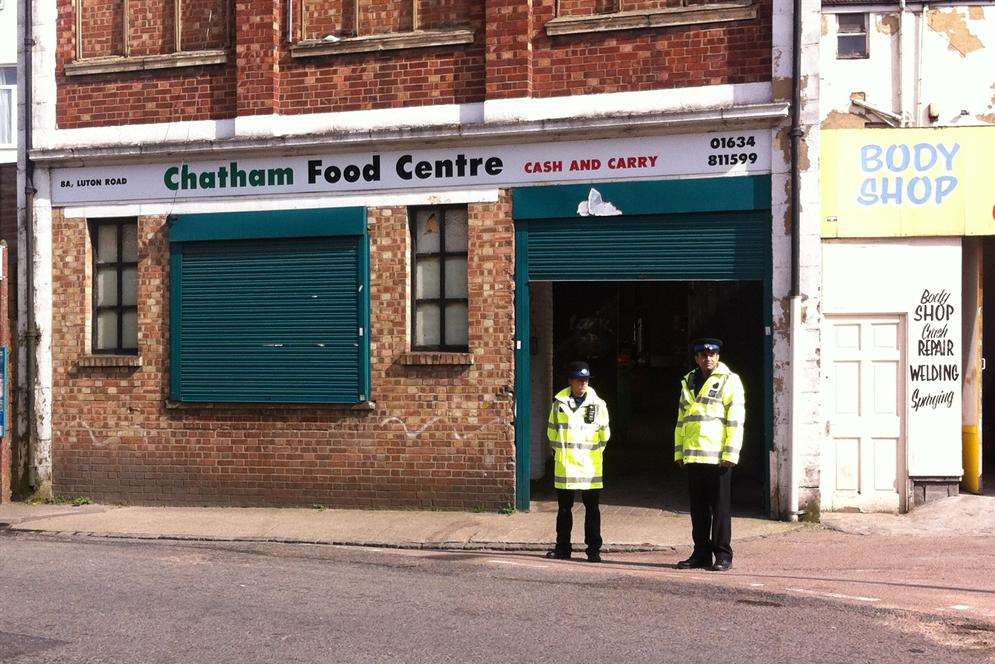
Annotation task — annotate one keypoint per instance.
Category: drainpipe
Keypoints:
(25, 249)
(796, 297)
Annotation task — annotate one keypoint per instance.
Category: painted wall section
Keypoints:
(921, 279)
(909, 74)
(874, 79)
(8, 32)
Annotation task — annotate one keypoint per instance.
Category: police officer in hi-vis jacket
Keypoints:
(707, 442)
(578, 431)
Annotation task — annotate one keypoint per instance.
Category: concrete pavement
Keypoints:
(624, 528)
(963, 515)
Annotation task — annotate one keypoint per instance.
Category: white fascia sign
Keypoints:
(660, 157)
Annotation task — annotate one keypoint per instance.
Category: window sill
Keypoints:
(657, 18)
(109, 361)
(120, 63)
(267, 406)
(432, 358)
(385, 42)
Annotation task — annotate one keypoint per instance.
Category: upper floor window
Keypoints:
(106, 28)
(8, 105)
(330, 20)
(589, 7)
(115, 285)
(439, 278)
(580, 16)
(851, 36)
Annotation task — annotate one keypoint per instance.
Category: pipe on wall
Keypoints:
(25, 249)
(795, 322)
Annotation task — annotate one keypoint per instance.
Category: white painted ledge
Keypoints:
(472, 118)
(384, 42)
(122, 63)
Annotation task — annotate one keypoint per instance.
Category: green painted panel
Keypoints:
(647, 198)
(270, 321)
(672, 247)
(268, 224)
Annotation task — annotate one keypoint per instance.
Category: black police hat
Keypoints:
(578, 370)
(706, 343)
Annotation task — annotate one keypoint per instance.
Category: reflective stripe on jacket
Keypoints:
(578, 439)
(710, 423)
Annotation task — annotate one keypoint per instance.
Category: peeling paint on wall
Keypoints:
(988, 117)
(976, 13)
(803, 161)
(781, 88)
(837, 120)
(954, 26)
(888, 24)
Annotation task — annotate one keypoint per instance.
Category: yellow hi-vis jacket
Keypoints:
(578, 439)
(710, 423)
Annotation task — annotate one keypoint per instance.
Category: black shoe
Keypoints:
(721, 566)
(558, 555)
(594, 557)
(694, 563)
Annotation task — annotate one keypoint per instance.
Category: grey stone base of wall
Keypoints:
(927, 489)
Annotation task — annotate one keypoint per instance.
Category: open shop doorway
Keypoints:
(636, 336)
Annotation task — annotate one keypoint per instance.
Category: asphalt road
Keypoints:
(89, 600)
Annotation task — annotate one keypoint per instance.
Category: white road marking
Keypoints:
(858, 598)
(960, 607)
(757, 585)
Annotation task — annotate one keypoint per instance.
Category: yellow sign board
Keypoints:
(908, 182)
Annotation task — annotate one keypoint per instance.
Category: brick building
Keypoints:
(297, 251)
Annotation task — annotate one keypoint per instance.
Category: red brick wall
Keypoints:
(586, 7)
(630, 60)
(511, 57)
(103, 28)
(440, 436)
(191, 93)
(150, 27)
(205, 24)
(417, 77)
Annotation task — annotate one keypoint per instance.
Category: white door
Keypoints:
(864, 465)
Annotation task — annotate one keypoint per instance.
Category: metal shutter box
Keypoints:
(275, 320)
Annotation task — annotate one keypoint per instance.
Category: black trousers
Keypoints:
(711, 518)
(565, 519)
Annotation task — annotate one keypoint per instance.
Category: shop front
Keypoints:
(363, 328)
(626, 291)
(908, 220)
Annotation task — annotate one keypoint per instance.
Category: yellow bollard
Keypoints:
(972, 460)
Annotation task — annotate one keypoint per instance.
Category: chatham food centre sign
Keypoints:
(685, 155)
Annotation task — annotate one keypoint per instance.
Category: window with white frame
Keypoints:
(8, 105)
(851, 36)
(439, 318)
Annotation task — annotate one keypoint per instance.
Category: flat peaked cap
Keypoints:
(578, 370)
(706, 343)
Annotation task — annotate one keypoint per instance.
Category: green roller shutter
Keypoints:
(732, 245)
(273, 317)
